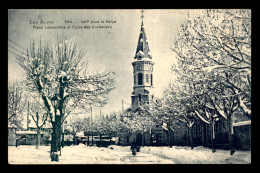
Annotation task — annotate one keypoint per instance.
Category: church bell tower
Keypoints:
(142, 72)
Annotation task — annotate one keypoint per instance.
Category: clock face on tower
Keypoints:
(139, 67)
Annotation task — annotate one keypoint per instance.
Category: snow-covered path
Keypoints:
(82, 154)
(114, 155)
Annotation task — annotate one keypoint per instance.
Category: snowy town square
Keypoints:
(129, 86)
(82, 154)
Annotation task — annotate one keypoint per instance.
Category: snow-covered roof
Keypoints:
(27, 132)
(140, 53)
(12, 126)
(80, 134)
(242, 123)
(143, 59)
(33, 125)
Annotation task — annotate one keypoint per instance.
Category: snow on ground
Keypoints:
(82, 154)
(200, 155)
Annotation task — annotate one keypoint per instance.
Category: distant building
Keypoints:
(47, 128)
(202, 133)
(28, 136)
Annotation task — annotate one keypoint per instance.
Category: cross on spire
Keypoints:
(142, 45)
(142, 16)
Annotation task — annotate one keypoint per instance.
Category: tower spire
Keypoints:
(142, 16)
(142, 50)
(143, 72)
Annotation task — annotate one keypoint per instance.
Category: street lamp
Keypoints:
(54, 102)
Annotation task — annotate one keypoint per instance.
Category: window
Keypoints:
(134, 79)
(151, 79)
(147, 78)
(140, 78)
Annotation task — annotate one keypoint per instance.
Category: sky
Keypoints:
(107, 49)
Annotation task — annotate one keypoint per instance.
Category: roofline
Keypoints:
(143, 60)
(242, 123)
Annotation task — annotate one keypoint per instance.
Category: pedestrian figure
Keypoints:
(16, 143)
(138, 148)
(133, 148)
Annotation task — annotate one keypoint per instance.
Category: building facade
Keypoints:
(142, 72)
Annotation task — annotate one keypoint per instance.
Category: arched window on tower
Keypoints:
(147, 78)
(151, 79)
(134, 79)
(140, 78)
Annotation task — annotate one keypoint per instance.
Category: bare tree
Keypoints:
(214, 51)
(112, 126)
(60, 76)
(140, 121)
(176, 106)
(16, 103)
(39, 115)
(219, 42)
(75, 125)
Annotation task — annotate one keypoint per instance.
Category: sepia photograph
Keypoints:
(129, 86)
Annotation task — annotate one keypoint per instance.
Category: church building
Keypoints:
(143, 93)
(174, 133)
(142, 72)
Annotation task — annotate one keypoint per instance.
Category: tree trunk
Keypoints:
(55, 143)
(38, 138)
(60, 136)
(213, 136)
(143, 139)
(54, 146)
(206, 134)
(74, 139)
(170, 134)
(202, 135)
(191, 137)
(231, 135)
(62, 140)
